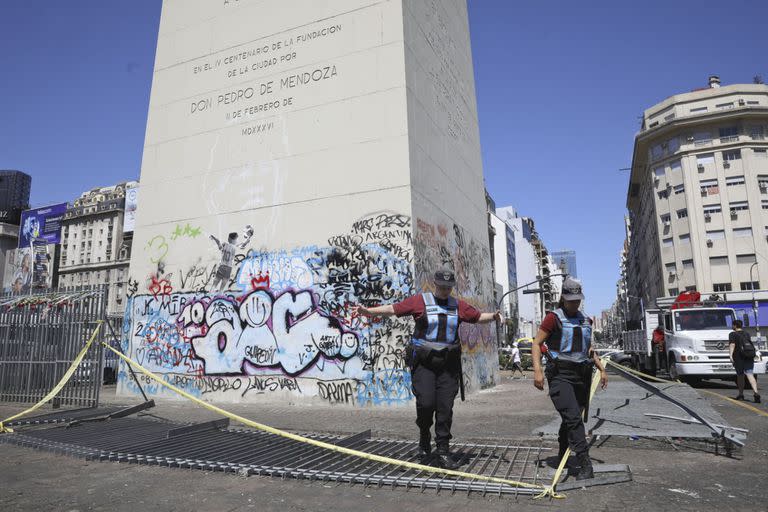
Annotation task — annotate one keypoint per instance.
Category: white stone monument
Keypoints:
(302, 157)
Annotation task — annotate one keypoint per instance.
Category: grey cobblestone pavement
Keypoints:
(664, 479)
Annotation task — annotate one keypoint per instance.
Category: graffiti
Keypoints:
(264, 331)
(336, 392)
(385, 387)
(158, 247)
(133, 287)
(255, 321)
(161, 287)
(197, 277)
(227, 250)
(185, 231)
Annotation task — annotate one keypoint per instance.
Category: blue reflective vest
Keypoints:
(442, 324)
(574, 340)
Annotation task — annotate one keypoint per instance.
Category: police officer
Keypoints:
(570, 362)
(434, 356)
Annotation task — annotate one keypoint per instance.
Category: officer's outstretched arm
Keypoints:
(385, 310)
(538, 372)
(601, 368)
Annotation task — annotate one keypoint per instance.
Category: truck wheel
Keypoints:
(673, 374)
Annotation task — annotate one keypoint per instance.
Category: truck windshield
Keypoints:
(703, 320)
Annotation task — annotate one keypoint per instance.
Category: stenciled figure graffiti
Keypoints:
(228, 249)
(434, 356)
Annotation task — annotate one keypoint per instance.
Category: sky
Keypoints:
(560, 88)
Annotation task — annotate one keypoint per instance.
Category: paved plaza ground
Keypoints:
(664, 478)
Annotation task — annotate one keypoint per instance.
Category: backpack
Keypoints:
(746, 347)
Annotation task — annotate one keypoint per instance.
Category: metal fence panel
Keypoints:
(40, 336)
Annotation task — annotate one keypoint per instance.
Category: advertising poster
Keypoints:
(131, 198)
(41, 224)
(30, 268)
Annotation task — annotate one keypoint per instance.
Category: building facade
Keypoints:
(698, 194)
(530, 267)
(505, 269)
(15, 187)
(94, 247)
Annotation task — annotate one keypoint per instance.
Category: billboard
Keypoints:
(131, 198)
(41, 224)
(30, 268)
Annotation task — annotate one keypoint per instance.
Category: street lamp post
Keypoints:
(501, 299)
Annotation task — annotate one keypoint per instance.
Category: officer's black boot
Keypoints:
(425, 446)
(585, 470)
(443, 458)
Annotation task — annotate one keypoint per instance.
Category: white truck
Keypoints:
(695, 343)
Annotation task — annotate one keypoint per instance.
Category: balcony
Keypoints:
(729, 138)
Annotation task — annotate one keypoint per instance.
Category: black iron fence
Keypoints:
(40, 336)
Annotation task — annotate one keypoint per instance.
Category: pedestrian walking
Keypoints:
(434, 357)
(516, 366)
(567, 333)
(743, 358)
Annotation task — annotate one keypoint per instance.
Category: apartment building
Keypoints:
(95, 247)
(698, 194)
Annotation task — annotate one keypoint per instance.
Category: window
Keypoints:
(732, 181)
(665, 218)
(719, 261)
(762, 180)
(721, 287)
(756, 132)
(729, 134)
(674, 292)
(702, 139)
(709, 187)
(737, 206)
(753, 102)
(656, 151)
(724, 106)
(687, 263)
(690, 288)
(663, 194)
(742, 232)
(667, 242)
(705, 158)
(754, 285)
(659, 172)
(682, 214)
(717, 234)
(674, 143)
(679, 189)
(709, 209)
(764, 204)
(685, 239)
(671, 268)
(734, 154)
(760, 153)
(676, 165)
(696, 110)
(745, 259)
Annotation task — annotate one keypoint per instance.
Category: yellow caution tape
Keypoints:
(550, 490)
(328, 446)
(650, 377)
(63, 382)
(740, 404)
(641, 374)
